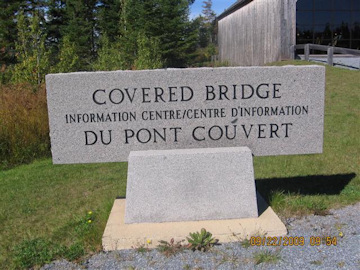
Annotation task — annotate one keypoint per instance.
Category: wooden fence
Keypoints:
(329, 49)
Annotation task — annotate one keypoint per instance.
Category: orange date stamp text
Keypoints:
(292, 241)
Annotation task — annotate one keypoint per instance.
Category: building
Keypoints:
(328, 22)
(255, 32)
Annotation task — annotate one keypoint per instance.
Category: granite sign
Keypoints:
(102, 116)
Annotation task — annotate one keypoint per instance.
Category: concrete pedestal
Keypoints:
(118, 235)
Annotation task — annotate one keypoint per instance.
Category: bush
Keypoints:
(24, 128)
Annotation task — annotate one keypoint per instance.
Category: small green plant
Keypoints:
(266, 256)
(316, 262)
(245, 243)
(202, 240)
(141, 248)
(170, 248)
(228, 257)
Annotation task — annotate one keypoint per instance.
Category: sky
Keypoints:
(218, 6)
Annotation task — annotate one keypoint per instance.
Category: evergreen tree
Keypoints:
(209, 14)
(8, 30)
(192, 35)
(175, 32)
(80, 27)
(32, 6)
(208, 24)
(132, 22)
(56, 22)
(203, 32)
(108, 19)
(9, 9)
(118, 34)
(166, 20)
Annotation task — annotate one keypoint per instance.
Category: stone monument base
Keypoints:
(118, 235)
(171, 193)
(190, 185)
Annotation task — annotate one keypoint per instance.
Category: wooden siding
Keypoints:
(258, 33)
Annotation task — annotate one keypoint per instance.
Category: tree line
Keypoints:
(50, 36)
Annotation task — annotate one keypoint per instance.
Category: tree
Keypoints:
(55, 24)
(110, 56)
(209, 14)
(32, 57)
(132, 22)
(206, 25)
(8, 12)
(109, 18)
(166, 20)
(148, 55)
(174, 37)
(68, 58)
(80, 26)
(8, 30)
(74, 35)
(207, 29)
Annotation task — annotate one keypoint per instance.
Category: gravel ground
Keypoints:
(344, 224)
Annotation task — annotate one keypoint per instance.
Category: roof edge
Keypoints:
(239, 4)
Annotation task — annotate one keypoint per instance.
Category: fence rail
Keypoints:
(329, 49)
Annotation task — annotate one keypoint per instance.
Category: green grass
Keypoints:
(267, 256)
(304, 184)
(51, 203)
(44, 207)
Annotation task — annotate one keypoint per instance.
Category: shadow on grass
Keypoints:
(305, 185)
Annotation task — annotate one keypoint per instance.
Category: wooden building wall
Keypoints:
(260, 32)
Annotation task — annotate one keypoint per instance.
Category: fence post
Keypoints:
(292, 52)
(307, 51)
(330, 55)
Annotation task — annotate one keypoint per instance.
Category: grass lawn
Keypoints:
(44, 208)
(305, 184)
(50, 203)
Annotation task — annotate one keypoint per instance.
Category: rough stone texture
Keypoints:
(71, 98)
(190, 185)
